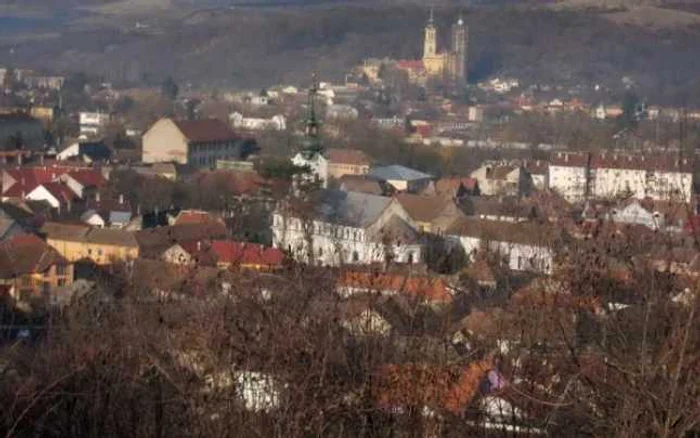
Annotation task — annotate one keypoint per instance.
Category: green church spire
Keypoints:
(312, 125)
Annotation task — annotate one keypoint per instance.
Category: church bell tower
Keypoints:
(430, 41)
(460, 44)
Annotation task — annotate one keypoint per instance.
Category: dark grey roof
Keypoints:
(351, 208)
(397, 172)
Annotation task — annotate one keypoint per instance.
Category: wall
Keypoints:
(164, 143)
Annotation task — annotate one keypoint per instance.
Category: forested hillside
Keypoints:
(253, 47)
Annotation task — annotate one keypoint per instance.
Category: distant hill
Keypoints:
(254, 47)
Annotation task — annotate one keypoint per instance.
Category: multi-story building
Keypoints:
(348, 228)
(606, 175)
(101, 245)
(347, 162)
(32, 269)
(199, 143)
(92, 123)
(522, 246)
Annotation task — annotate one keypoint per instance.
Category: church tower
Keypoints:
(460, 45)
(430, 41)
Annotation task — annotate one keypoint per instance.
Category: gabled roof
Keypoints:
(433, 290)
(360, 183)
(442, 388)
(397, 172)
(526, 233)
(243, 253)
(88, 178)
(111, 237)
(60, 191)
(60, 231)
(205, 130)
(195, 217)
(26, 254)
(351, 208)
(353, 157)
(425, 208)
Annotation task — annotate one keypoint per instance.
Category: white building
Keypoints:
(274, 123)
(348, 228)
(606, 175)
(317, 165)
(502, 179)
(523, 246)
(92, 123)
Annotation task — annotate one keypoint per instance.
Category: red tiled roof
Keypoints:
(243, 253)
(195, 217)
(205, 130)
(430, 289)
(25, 254)
(59, 191)
(348, 156)
(410, 64)
(88, 177)
(437, 387)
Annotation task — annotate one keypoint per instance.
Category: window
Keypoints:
(60, 270)
(355, 257)
(61, 282)
(409, 258)
(520, 262)
(320, 251)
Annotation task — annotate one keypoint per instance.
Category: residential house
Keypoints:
(502, 179)
(58, 195)
(18, 182)
(432, 290)
(657, 215)
(101, 245)
(401, 178)
(32, 269)
(457, 187)
(225, 254)
(347, 227)
(343, 162)
(153, 242)
(609, 175)
(86, 151)
(501, 208)
(430, 214)
(523, 246)
(198, 143)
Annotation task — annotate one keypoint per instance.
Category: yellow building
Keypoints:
(103, 246)
(450, 65)
(29, 268)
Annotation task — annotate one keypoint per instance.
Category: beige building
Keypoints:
(101, 245)
(199, 143)
(343, 162)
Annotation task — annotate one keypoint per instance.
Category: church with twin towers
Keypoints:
(449, 64)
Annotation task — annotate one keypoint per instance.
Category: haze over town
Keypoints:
(349, 218)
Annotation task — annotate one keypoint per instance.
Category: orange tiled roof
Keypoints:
(418, 385)
(430, 289)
